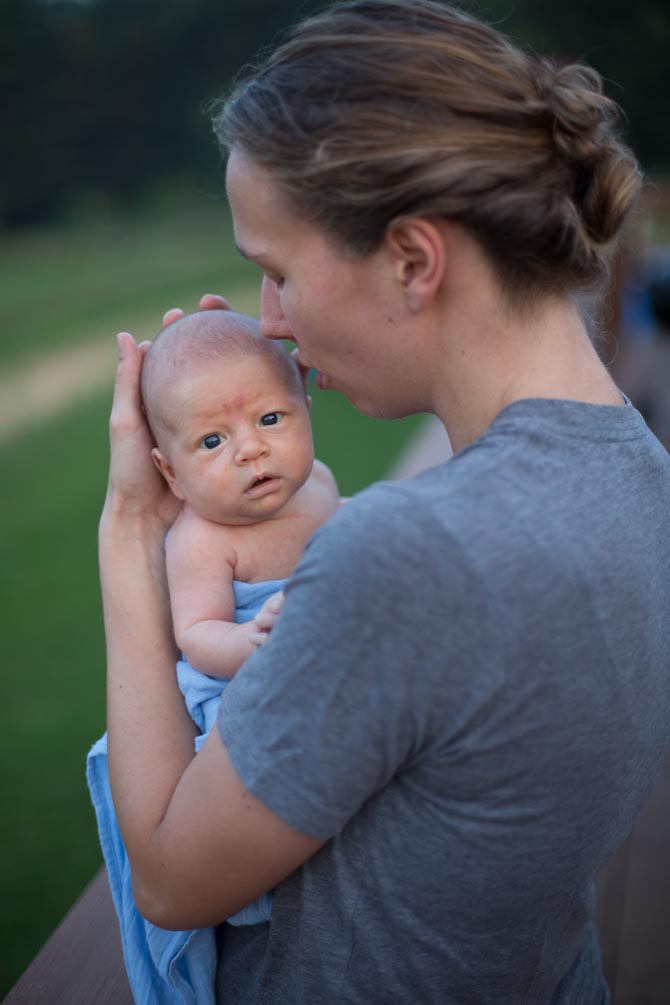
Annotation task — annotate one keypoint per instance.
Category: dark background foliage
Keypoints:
(107, 97)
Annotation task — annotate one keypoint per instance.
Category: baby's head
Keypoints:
(229, 414)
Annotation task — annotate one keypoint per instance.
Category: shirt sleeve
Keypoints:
(370, 664)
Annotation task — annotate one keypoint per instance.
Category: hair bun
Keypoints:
(584, 123)
(581, 116)
(376, 109)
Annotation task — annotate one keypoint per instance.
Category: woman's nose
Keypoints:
(273, 322)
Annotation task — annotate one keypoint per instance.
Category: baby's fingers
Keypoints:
(266, 618)
(270, 609)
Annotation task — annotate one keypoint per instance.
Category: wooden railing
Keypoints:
(81, 964)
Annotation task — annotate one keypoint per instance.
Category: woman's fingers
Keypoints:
(172, 315)
(134, 481)
(214, 302)
(304, 370)
(208, 302)
(126, 406)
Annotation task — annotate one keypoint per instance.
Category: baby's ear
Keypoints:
(167, 471)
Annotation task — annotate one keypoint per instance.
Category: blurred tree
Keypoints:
(107, 96)
(29, 71)
(627, 43)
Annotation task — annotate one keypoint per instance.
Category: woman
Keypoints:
(464, 700)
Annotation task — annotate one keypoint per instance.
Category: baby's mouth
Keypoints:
(262, 483)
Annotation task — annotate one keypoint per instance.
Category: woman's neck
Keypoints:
(489, 357)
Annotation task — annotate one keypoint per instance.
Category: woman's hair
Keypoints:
(376, 109)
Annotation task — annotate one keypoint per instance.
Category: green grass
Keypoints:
(64, 285)
(53, 679)
(54, 477)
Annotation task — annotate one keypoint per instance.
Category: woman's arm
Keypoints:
(200, 846)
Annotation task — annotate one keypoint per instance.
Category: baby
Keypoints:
(230, 417)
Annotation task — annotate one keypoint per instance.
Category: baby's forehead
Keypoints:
(190, 359)
(232, 381)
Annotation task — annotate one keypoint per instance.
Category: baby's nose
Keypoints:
(250, 446)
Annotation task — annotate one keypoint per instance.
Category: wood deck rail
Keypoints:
(82, 964)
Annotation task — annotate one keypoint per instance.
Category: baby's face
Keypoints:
(243, 445)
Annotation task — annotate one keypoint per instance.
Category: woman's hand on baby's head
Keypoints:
(266, 619)
(134, 483)
(209, 302)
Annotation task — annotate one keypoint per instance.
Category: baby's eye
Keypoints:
(211, 442)
(271, 419)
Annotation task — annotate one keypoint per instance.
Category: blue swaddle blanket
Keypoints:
(170, 968)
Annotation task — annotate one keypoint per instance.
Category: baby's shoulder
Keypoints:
(324, 478)
(193, 534)
(324, 495)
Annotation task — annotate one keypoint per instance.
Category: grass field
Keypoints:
(58, 285)
(98, 275)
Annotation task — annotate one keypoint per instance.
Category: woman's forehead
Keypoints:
(261, 214)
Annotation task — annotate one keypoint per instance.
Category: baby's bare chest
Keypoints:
(270, 550)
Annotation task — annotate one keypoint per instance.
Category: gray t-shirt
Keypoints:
(468, 691)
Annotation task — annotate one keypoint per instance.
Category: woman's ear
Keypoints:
(416, 245)
(167, 472)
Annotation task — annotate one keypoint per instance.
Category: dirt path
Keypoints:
(47, 384)
(40, 388)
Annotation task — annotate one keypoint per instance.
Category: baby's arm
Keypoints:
(200, 563)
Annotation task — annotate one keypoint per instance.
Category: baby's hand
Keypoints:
(265, 620)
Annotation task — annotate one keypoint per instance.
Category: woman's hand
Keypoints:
(214, 302)
(209, 302)
(136, 488)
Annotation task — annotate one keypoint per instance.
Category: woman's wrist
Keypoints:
(122, 513)
(128, 530)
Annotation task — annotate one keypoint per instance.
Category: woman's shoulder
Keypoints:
(391, 520)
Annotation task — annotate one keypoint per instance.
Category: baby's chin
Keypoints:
(256, 511)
